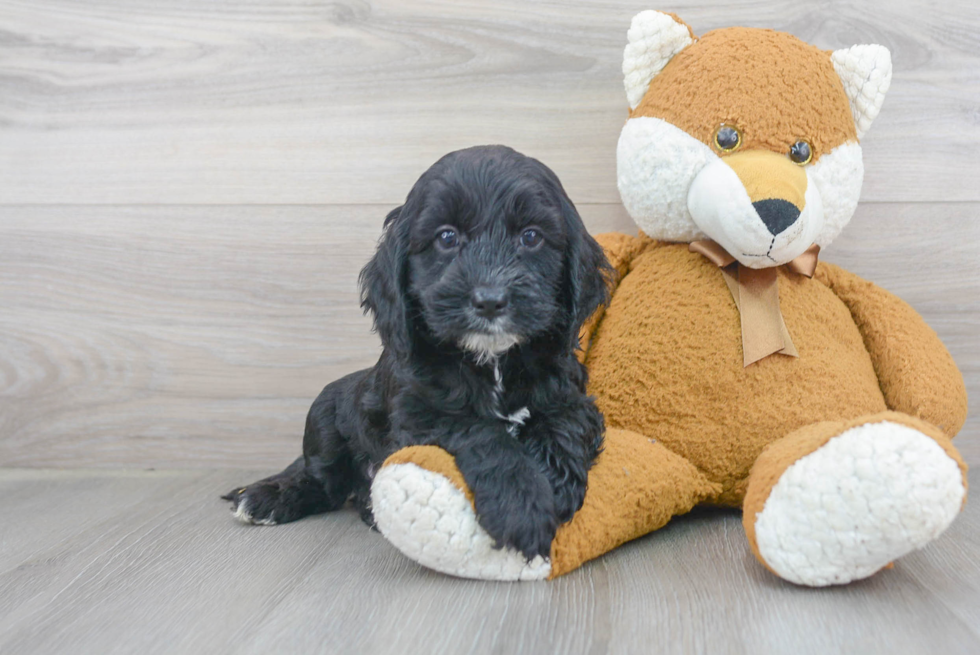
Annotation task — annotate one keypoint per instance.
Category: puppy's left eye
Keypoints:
(447, 239)
(531, 238)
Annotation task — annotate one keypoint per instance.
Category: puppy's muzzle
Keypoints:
(489, 302)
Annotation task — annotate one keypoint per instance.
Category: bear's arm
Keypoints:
(916, 373)
(620, 250)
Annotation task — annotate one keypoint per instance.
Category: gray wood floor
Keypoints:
(151, 562)
(187, 191)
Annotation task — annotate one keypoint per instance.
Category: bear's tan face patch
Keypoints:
(772, 87)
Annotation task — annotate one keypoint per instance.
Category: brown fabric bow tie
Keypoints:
(756, 295)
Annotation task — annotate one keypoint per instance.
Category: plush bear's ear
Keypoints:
(654, 38)
(866, 71)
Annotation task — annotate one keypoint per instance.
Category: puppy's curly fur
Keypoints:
(478, 289)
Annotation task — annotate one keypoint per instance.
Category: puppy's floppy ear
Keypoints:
(587, 271)
(384, 285)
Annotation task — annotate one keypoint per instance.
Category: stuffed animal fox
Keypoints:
(749, 136)
(733, 368)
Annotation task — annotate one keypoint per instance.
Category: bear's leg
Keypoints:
(422, 505)
(837, 501)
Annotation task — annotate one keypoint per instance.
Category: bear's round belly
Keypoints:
(666, 361)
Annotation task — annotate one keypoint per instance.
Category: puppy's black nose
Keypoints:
(489, 302)
(777, 214)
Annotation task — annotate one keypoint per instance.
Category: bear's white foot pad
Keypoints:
(431, 521)
(867, 497)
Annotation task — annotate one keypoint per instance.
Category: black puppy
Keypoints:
(480, 284)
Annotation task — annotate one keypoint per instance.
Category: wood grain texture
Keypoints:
(198, 336)
(348, 102)
(159, 566)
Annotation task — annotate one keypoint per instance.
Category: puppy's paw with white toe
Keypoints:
(247, 510)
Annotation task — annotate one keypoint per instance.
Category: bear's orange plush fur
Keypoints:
(672, 330)
(773, 116)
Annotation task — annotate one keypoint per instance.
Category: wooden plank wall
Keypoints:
(187, 190)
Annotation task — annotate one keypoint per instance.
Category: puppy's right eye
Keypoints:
(447, 239)
(531, 239)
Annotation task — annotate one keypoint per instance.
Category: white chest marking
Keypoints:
(518, 418)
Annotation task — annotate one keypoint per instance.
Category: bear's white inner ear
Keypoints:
(866, 71)
(654, 38)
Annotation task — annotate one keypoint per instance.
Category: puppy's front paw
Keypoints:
(531, 535)
(523, 521)
(255, 504)
(569, 497)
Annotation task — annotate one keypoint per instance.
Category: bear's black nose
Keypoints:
(777, 214)
(489, 301)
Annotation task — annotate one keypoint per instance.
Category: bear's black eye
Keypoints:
(447, 239)
(727, 138)
(531, 238)
(801, 153)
